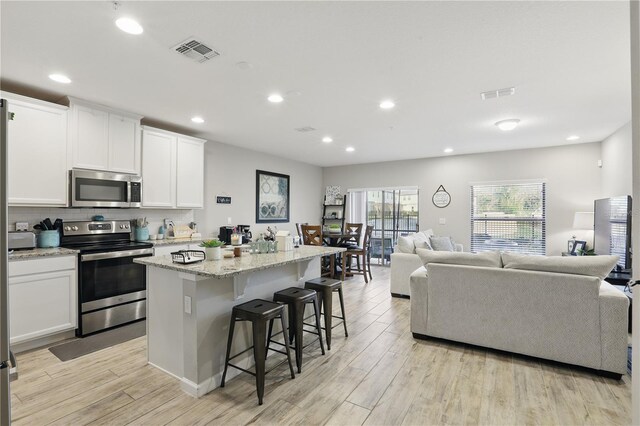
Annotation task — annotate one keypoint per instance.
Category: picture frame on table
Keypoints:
(272, 197)
(579, 247)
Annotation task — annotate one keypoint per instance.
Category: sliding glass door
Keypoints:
(391, 212)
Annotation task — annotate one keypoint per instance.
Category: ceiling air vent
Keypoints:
(499, 93)
(305, 129)
(196, 50)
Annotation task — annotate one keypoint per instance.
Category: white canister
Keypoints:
(285, 243)
(213, 253)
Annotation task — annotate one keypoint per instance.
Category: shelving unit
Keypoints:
(338, 209)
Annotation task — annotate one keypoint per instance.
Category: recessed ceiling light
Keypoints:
(448, 150)
(197, 119)
(129, 26)
(275, 98)
(387, 104)
(509, 124)
(350, 149)
(59, 78)
(573, 138)
(327, 139)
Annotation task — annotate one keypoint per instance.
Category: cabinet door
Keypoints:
(158, 169)
(190, 173)
(42, 304)
(37, 146)
(90, 136)
(124, 144)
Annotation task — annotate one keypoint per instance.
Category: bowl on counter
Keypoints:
(160, 237)
(153, 236)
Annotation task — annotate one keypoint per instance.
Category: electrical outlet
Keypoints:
(22, 226)
(229, 221)
(187, 305)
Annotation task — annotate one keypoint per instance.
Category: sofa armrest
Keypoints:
(402, 265)
(419, 298)
(614, 309)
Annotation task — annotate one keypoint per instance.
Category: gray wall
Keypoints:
(232, 171)
(571, 172)
(616, 163)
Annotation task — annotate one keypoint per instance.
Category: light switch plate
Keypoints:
(443, 221)
(187, 305)
(22, 226)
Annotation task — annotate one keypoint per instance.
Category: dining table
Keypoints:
(338, 239)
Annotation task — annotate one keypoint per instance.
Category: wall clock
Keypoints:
(441, 198)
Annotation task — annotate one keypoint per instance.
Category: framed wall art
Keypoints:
(272, 197)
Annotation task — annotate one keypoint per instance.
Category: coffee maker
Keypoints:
(245, 232)
(225, 234)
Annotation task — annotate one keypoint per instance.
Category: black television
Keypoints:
(612, 229)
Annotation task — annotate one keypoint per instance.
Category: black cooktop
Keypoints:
(106, 246)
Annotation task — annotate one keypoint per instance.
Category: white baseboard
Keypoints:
(42, 341)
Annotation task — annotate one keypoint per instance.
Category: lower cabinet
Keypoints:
(43, 294)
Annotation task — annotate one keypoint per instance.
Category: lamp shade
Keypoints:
(583, 220)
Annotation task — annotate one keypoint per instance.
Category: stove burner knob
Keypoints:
(67, 228)
(74, 228)
(121, 226)
(126, 226)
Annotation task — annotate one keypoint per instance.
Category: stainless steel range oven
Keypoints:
(112, 289)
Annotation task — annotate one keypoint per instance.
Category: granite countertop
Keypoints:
(175, 241)
(41, 252)
(229, 267)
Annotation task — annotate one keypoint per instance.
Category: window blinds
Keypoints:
(508, 217)
(618, 221)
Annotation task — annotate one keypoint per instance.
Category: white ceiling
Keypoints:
(569, 62)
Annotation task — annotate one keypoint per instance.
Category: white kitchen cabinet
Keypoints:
(37, 147)
(43, 296)
(190, 173)
(158, 169)
(103, 139)
(172, 170)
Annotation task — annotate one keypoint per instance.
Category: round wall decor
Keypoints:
(441, 198)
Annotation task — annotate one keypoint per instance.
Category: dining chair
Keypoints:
(356, 230)
(312, 236)
(299, 229)
(364, 254)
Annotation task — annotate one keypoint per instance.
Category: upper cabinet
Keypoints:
(172, 170)
(37, 151)
(103, 139)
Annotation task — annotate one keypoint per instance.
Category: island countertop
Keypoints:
(230, 267)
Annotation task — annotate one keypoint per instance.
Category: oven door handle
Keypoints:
(115, 254)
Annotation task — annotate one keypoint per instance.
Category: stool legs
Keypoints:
(286, 345)
(316, 309)
(298, 315)
(229, 340)
(259, 354)
(327, 299)
(344, 316)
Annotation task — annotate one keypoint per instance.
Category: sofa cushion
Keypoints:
(593, 266)
(441, 243)
(421, 240)
(490, 259)
(405, 244)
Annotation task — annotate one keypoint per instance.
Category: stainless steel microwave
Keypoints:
(91, 188)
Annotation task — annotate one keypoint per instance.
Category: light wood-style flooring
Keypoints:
(379, 375)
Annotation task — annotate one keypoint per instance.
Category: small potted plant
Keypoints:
(212, 249)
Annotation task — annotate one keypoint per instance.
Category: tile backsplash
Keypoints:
(34, 215)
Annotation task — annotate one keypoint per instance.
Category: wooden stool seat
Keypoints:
(325, 287)
(258, 312)
(296, 299)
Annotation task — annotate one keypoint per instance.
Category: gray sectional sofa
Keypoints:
(539, 306)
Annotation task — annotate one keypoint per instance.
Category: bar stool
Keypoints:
(325, 287)
(257, 311)
(296, 299)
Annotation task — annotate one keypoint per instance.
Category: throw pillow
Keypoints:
(421, 240)
(405, 244)
(441, 243)
(490, 259)
(593, 266)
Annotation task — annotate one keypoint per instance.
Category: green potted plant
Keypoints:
(212, 249)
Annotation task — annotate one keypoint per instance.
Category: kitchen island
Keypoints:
(189, 308)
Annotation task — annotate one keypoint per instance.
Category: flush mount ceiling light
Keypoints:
(448, 150)
(573, 138)
(59, 78)
(275, 98)
(509, 124)
(387, 104)
(129, 26)
(350, 149)
(327, 139)
(197, 119)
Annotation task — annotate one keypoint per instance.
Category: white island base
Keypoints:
(188, 312)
